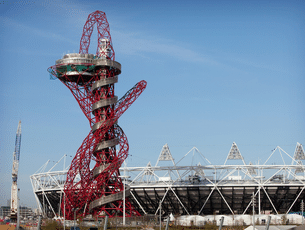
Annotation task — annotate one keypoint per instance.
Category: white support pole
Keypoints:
(138, 202)
(302, 210)
(160, 214)
(270, 201)
(74, 218)
(162, 199)
(253, 210)
(295, 200)
(124, 197)
(180, 201)
(212, 190)
(225, 201)
(259, 200)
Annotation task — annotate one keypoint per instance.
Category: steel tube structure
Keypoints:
(91, 79)
(193, 189)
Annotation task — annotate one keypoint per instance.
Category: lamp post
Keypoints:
(199, 222)
(253, 210)
(75, 217)
(302, 210)
(160, 214)
(124, 203)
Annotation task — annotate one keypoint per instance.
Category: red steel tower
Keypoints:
(91, 80)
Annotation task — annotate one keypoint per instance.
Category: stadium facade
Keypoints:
(201, 188)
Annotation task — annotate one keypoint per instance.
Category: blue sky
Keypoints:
(218, 72)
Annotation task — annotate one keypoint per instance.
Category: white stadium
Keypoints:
(197, 189)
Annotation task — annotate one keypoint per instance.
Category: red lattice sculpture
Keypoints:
(91, 80)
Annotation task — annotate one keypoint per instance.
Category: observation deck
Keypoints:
(75, 65)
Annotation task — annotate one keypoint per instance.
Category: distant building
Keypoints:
(25, 212)
(4, 211)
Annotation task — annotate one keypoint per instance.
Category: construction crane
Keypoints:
(14, 191)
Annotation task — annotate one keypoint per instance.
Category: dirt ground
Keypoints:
(10, 227)
(7, 227)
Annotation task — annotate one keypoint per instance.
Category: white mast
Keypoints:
(14, 191)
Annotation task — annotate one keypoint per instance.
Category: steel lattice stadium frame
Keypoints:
(203, 188)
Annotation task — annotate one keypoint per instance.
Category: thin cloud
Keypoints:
(135, 44)
(74, 14)
(258, 65)
(132, 44)
(34, 31)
